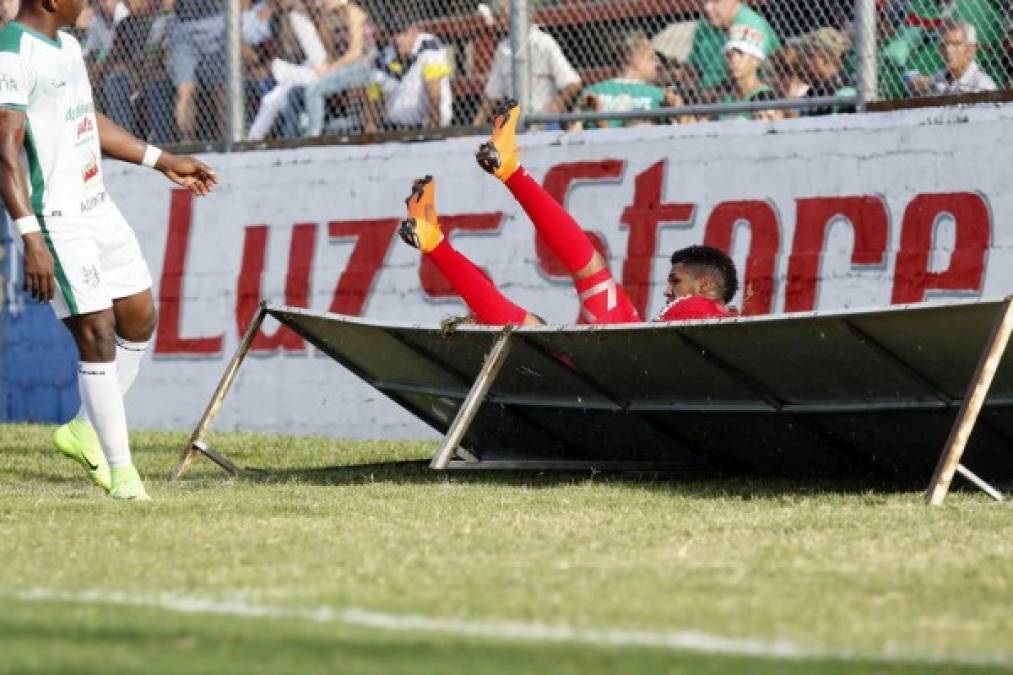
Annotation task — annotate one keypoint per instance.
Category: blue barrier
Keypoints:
(38, 359)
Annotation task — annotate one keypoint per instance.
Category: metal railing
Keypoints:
(232, 73)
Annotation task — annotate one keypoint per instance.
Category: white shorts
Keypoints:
(97, 260)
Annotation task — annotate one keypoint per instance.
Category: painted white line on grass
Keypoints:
(516, 631)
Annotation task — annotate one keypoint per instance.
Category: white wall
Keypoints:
(888, 160)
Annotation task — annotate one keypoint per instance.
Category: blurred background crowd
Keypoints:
(323, 67)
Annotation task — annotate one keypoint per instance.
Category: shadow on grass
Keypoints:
(417, 472)
(27, 476)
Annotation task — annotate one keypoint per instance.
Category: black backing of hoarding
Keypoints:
(869, 394)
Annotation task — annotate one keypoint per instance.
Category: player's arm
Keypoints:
(120, 144)
(39, 278)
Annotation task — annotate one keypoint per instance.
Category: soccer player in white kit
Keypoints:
(79, 252)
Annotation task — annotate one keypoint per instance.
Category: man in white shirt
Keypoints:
(962, 75)
(554, 82)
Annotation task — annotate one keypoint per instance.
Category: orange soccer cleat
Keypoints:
(498, 155)
(421, 229)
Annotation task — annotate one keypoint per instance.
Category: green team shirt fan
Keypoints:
(96, 255)
(620, 95)
(707, 54)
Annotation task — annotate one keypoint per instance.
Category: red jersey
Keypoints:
(691, 307)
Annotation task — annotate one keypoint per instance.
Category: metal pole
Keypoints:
(973, 401)
(234, 119)
(197, 442)
(520, 29)
(702, 109)
(865, 49)
(473, 401)
(979, 483)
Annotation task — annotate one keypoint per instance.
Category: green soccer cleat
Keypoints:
(77, 440)
(126, 484)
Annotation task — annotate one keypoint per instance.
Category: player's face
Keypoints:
(67, 11)
(682, 282)
(9, 9)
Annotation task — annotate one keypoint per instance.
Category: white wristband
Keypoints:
(151, 155)
(27, 225)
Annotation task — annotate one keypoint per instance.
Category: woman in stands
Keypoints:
(701, 282)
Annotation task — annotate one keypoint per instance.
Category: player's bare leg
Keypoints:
(135, 319)
(135, 316)
(421, 230)
(602, 300)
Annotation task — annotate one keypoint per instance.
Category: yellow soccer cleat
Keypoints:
(127, 485)
(421, 228)
(498, 155)
(78, 441)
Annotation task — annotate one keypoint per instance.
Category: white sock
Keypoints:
(100, 393)
(128, 362)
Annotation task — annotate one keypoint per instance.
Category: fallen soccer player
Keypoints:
(700, 284)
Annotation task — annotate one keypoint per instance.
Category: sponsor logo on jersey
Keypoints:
(90, 203)
(85, 126)
(80, 109)
(8, 84)
(90, 275)
(90, 169)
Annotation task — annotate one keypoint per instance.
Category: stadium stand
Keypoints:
(130, 42)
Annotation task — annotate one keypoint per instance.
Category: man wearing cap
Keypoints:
(962, 74)
(745, 52)
(713, 32)
(825, 50)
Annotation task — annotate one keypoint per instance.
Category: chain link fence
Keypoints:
(311, 68)
(944, 47)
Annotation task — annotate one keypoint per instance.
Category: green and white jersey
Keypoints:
(620, 95)
(47, 79)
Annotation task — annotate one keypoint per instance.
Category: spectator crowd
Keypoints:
(314, 67)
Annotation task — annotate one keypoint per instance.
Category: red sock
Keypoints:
(602, 300)
(483, 298)
(555, 226)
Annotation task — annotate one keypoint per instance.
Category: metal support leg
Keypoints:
(979, 483)
(197, 439)
(469, 408)
(949, 461)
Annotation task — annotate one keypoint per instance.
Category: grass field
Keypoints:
(391, 568)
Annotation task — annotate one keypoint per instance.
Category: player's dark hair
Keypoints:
(714, 261)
